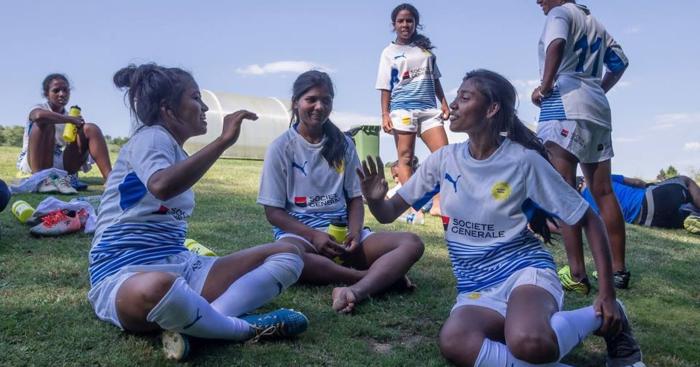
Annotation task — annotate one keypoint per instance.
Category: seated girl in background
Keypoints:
(142, 276)
(43, 145)
(508, 311)
(308, 181)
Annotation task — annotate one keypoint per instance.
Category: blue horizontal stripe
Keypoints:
(134, 244)
(314, 220)
(481, 267)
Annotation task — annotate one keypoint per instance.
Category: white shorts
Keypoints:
(366, 232)
(188, 265)
(496, 298)
(589, 142)
(416, 121)
(23, 161)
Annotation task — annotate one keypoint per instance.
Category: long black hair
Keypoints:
(335, 145)
(150, 86)
(417, 39)
(497, 89)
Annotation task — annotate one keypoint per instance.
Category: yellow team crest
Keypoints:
(501, 191)
(406, 120)
(340, 168)
(474, 295)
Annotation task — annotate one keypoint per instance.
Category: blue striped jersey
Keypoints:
(589, 49)
(486, 205)
(298, 179)
(409, 72)
(133, 226)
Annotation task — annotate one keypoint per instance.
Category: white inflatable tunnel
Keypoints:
(273, 120)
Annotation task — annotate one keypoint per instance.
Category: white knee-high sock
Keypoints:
(260, 285)
(571, 327)
(495, 354)
(185, 311)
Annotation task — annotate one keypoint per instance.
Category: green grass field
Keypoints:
(45, 319)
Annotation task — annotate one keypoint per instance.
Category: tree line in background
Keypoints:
(12, 136)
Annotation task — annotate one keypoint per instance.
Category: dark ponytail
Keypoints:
(418, 39)
(497, 89)
(335, 145)
(149, 86)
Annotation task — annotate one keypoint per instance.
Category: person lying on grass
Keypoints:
(308, 181)
(142, 277)
(509, 308)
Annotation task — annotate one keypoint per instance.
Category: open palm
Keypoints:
(372, 180)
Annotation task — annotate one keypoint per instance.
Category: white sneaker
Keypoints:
(63, 185)
(47, 186)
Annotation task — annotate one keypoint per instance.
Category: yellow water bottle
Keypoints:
(198, 248)
(338, 229)
(22, 210)
(70, 132)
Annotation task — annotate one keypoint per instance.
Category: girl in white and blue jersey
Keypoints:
(575, 119)
(142, 277)
(493, 186)
(409, 81)
(308, 182)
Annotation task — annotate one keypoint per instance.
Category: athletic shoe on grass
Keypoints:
(280, 323)
(569, 284)
(176, 346)
(623, 349)
(63, 185)
(692, 224)
(621, 278)
(47, 186)
(57, 223)
(77, 184)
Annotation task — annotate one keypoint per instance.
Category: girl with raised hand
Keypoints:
(575, 121)
(142, 276)
(43, 145)
(508, 311)
(308, 182)
(409, 81)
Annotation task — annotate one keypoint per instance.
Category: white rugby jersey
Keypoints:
(298, 179)
(409, 72)
(133, 226)
(577, 94)
(60, 143)
(486, 205)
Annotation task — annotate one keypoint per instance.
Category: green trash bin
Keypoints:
(366, 138)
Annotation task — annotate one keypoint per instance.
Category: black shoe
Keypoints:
(621, 279)
(623, 349)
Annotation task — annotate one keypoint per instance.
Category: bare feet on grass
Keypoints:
(344, 299)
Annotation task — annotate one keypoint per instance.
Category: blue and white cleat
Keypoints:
(284, 322)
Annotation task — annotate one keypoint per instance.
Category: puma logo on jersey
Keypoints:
(453, 181)
(403, 55)
(301, 168)
(197, 316)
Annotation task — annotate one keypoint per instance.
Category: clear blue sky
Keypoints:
(229, 46)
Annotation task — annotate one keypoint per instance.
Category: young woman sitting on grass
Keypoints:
(308, 181)
(43, 145)
(509, 308)
(142, 276)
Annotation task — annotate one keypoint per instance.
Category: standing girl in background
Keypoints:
(575, 121)
(492, 186)
(409, 81)
(142, 276)
(43, 145)
(309, 181)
